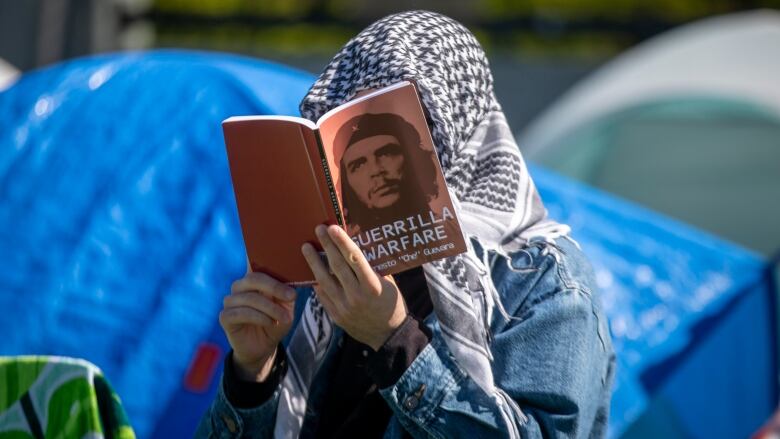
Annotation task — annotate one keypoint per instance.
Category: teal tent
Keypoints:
(687, 124)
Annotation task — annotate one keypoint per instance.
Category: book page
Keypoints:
(299, 120)
(395, 202)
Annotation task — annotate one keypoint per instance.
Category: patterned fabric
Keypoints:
(495, 198)
(58, 397)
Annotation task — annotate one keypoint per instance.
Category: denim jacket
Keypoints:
(554, 357)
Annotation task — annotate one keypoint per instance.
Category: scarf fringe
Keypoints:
(511, 413)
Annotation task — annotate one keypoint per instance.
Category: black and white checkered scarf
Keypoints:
(493, 193)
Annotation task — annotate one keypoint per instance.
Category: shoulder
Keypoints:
(553, 351)
(554, 312)
(555, 277)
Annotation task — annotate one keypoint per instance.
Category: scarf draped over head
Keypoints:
(495, 198)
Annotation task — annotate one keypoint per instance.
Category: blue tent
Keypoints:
(119, 237)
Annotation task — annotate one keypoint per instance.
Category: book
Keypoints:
(368, 165)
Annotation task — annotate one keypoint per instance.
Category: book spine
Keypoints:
(328, 179)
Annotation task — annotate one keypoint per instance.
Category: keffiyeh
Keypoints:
(497, 202)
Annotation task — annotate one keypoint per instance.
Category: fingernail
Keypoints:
(320, 230)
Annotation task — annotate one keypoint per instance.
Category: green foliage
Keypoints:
(221, 8)
(671, 10)
(301, 38)
(580, 28)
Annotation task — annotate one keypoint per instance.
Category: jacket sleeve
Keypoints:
(244, 409)
(553, 361)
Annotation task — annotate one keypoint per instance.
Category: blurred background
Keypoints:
(652, 127)
(538, 51)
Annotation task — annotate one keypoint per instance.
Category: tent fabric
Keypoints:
(691, 316)
(709, 162)
(119, 232)
(119, 237)
(732, 57)
(687, 124)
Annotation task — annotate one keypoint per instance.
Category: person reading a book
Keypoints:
(505, 340)
(379, 156)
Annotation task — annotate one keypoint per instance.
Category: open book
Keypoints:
(368, 165)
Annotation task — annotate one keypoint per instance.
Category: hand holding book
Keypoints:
(367, 306)
(256, 316)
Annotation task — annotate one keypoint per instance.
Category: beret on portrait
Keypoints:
(374, 124)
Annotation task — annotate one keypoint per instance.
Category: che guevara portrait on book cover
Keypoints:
(385, 173)
(394, 200)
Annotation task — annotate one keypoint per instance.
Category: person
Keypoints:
(505, 340)
(382, 164)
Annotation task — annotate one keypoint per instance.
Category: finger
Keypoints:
(328, 285)
(330, 307)
(350, 251)
(338, 264)
(259, 302)
(265, 284)
(243, 315)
